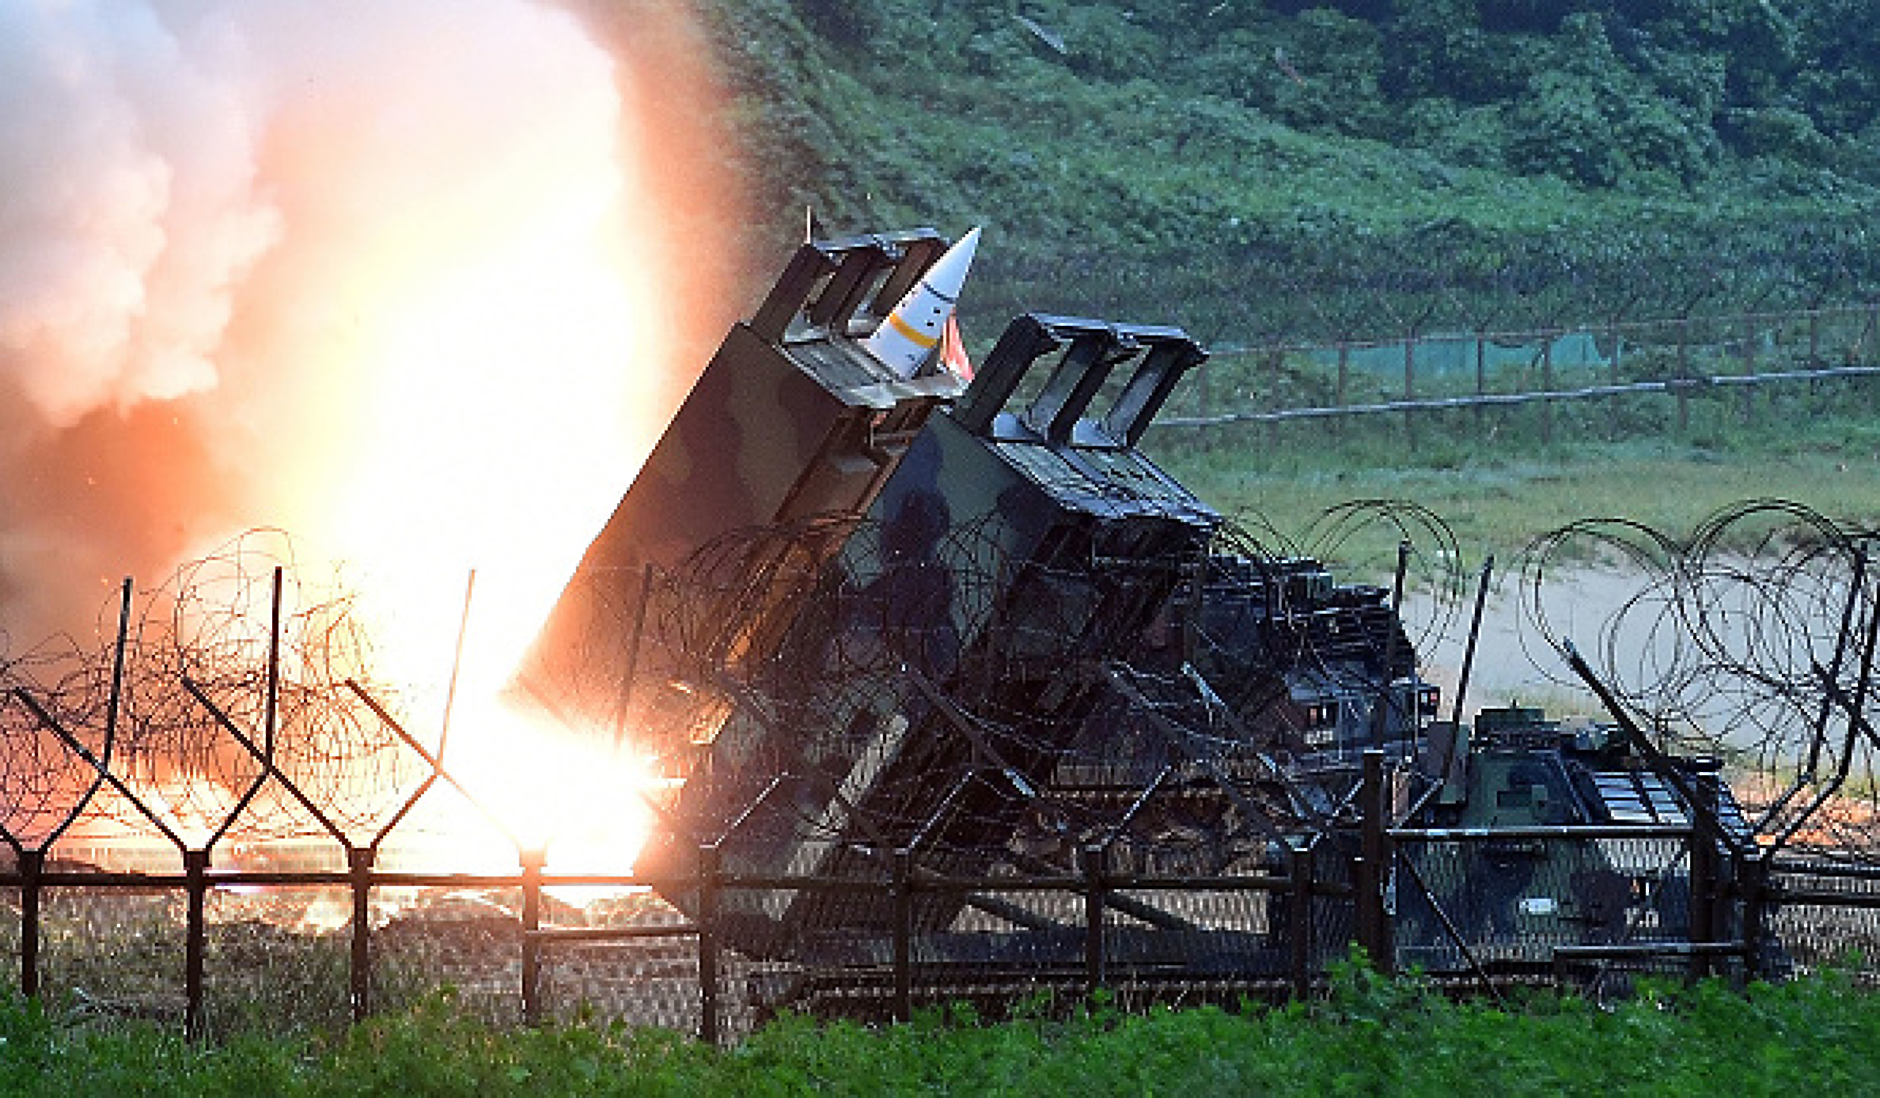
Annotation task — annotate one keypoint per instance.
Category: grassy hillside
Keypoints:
(1249, 168)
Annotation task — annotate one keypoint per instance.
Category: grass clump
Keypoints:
(1371, 1035)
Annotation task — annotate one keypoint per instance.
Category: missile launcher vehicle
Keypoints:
(901, 643)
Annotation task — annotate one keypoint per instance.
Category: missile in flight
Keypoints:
(906, 339)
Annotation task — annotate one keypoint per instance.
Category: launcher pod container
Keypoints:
(921, 700)
(790, 418)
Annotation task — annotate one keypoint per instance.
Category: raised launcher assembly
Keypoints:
(791, 418)
(929, 685)
(867, 633)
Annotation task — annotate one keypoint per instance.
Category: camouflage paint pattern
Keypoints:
(953, 583)
(1516, 897)
(1076, 543)
(790, 418)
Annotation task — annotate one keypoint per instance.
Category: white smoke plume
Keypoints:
(127, 162)
(249, 252)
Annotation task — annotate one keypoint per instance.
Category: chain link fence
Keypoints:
(1672, 378)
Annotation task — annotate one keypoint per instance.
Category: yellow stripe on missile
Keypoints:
(912, 334)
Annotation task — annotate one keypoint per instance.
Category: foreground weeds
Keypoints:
(1371, 1036)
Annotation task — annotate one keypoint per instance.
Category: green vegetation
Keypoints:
(1351, 167)
(1371, 1036)
(1301, 171)
(1499, 496)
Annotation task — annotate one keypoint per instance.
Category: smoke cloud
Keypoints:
(128, 165)
(318, 265)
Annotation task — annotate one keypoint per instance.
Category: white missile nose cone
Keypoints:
(948, 274)
(907, 336)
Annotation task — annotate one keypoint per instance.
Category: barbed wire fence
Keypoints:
(236, 702)
(1749, 639)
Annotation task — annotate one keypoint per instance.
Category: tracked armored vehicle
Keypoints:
(955, 674)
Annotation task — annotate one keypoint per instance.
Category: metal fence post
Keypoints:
(1547, 388)
(1816, 388)
(1481, 382)
(532, 862)
(1703, 900)
(1615, 430)
(1373, 932)
(196, 884)
(1093, 916)
(1749, 367)
(31, 863)
(1342, 395)
(1682, 384)
(1276, 401)
(1410, 390)
(1753, 885)
(359, 872)
(903, 935)
(1204, 402)
(1299, 920)
(709, 862)
(1868, 340)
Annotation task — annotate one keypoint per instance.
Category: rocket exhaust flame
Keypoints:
(381, 275)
